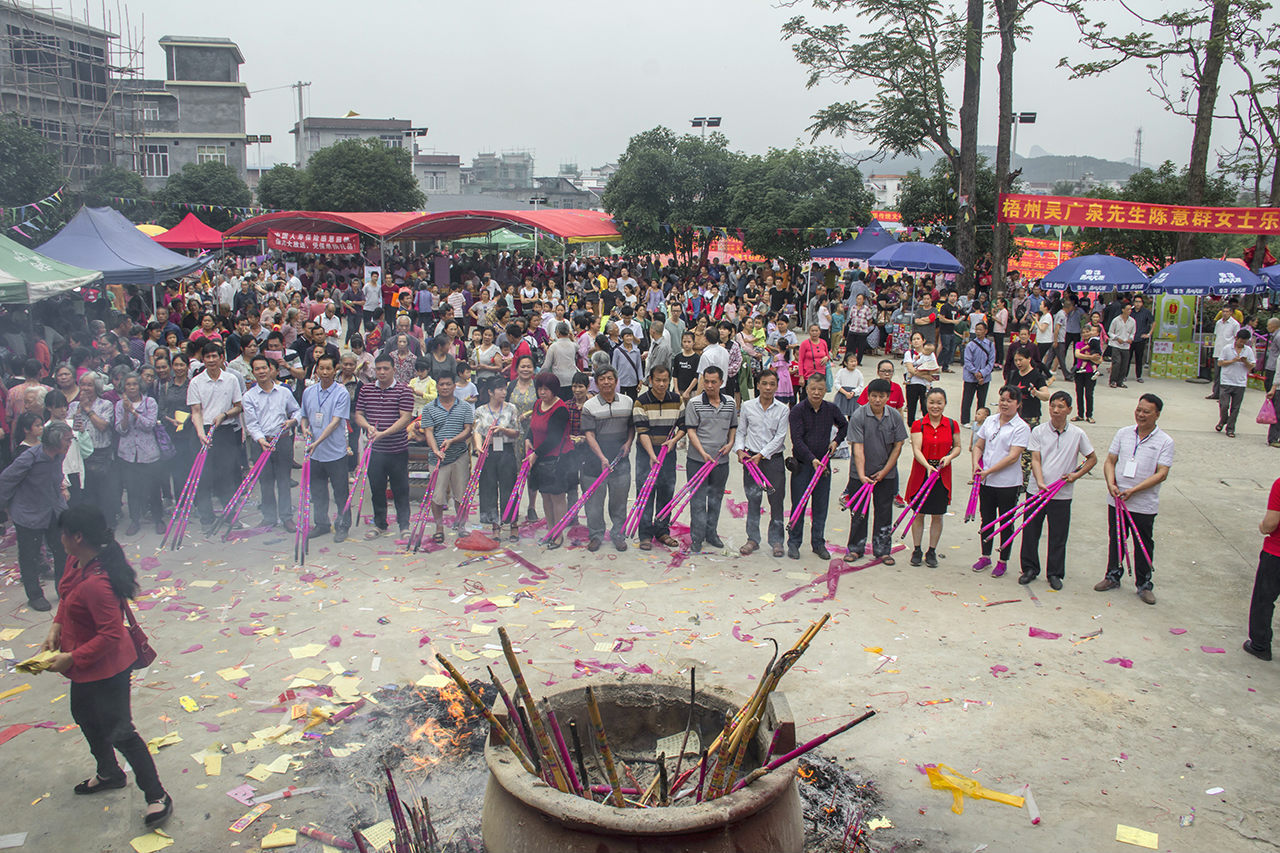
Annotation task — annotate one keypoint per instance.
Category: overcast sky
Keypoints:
(572, 80)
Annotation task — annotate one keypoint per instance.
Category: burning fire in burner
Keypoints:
(449, 738)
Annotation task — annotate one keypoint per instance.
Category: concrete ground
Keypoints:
(949, 664)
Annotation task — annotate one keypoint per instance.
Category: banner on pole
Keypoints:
(313, 241)
(1108, 213)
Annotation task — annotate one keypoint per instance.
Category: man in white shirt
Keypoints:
(214, 397)
(372, 293)
(227, 292)
(761, 437)
(1055, 448)
(714, 355)
(1137, 463)
(1235, 362)
(1122, 332)
(270, 412)
(1224, 333)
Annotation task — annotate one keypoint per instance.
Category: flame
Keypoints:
(434, 733)
(453, 698)
(805, 772)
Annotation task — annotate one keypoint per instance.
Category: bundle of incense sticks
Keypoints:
(473, 483)
(1028, 508)
(231, 514)
(302, 525)
(412, 829)
(632, 525)
(753, 468)
(971, 511)
(788, 757)
(511, 514)
(419, 530)
(797, 516)
(563, 523)
(1125, 526)
(1034, 509)
(916, 503)
(691, 486)
(177, 528)
(860, 501)
(361, 482)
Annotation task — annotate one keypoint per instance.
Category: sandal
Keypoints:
(438, 537)
(1077, 418)
(887, 560)
(514, 536)
(100, 784)
(1090, 420)
(1231, 433)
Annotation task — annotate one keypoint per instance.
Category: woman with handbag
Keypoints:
(97, 653)
(136, 418)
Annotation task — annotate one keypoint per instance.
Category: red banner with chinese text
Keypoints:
(313, 241)
(1105, 213)
(1039, 256)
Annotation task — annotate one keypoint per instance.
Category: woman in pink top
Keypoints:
(814, 354)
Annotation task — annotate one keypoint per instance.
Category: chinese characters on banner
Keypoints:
(1039, 256)
(313, 241)
(1106, 213)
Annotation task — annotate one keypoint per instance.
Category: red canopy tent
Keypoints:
(572, 226)
(191, 233)
(375, 224)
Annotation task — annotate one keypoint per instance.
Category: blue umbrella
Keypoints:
(1097, 273)
(1207, 276)
(1272, 274)
(870, 240)
(918, 257)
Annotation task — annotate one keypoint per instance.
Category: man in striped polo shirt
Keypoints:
(607, 422)
(383, 410)
(448, 422)
(711, 421)
(657, 419)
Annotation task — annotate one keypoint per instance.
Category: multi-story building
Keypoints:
(56, 76)
(885, 188)
(195, 114)
(319, 132)
(510, 170)
(437, 174)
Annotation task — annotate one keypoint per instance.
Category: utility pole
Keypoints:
(300, 85)
(1137, 149)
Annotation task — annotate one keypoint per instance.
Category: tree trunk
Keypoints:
(1006, 11)
(1197, 177)
(1260, 244)
(966, 222)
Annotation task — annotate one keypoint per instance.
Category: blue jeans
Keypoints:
(773, 471)
(817, 503)
(948, 354)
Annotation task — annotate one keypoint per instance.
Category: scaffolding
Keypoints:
(74, 82)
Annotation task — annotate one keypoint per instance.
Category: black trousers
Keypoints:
(817, 505)
(1085, 383)
(881, 518)
(324, 476)
(859, 344)
(100, 487)
(221, 471)
(274, 483)
(142, 482)
(1139, 351)
(101, 710)
(497, 481)
(30, 562)
(972, 391)
(915, 397)
(1058, 514)
(775, 472)
(1262, 607)
(1145, 522)
(664, 488)
(704, 509)
(992, 501)
(389, 469)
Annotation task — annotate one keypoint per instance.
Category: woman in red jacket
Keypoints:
(97, 654)
(814, 354)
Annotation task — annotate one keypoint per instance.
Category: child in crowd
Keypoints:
(978, 417)
(466, 389)
(782, 365)
(424, 387)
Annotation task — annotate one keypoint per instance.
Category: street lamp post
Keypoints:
(1017, 119)
(704, 122)
(535, 201)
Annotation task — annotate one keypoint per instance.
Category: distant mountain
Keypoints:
(1040, 168)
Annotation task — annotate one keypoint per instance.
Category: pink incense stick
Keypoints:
(691, 488)
(187, 494)
(1002, 520)
(1038, 508)
(511, 513)
(857, 501)
(473, 482)
(1124, 507)
(753, 468)
(1027, 507)
(302, 525)
(632, 525)
(582, 499)
(918, 500)
(419, 530)
(971, 511)
(361, 482)
(797, 515)
(921, 497)
(237, 503)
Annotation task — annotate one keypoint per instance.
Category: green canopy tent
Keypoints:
(498, 240)
(26, 276)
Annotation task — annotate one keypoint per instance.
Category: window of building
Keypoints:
(433, 181)
(211, 153)
(155, 161)
(150, 110)
(392, 140)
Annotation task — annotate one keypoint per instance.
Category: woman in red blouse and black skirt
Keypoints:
(97, 654)
(935, 443)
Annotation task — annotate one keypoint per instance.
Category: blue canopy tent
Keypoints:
(869, 240)
(1207, 277)
(1100, 273)
(100, 238)
(917, 257)
(1272, 275)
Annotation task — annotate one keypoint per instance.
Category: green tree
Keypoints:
(283, 188)
(1165, 185)
(1191, 43)
(1257, 113)
(799, 188)
(113, 182)
(928, 202)
(361, 174)
(1065, 187)
(29, 167)
(665, 185)
(905, 51)
(203, 183)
